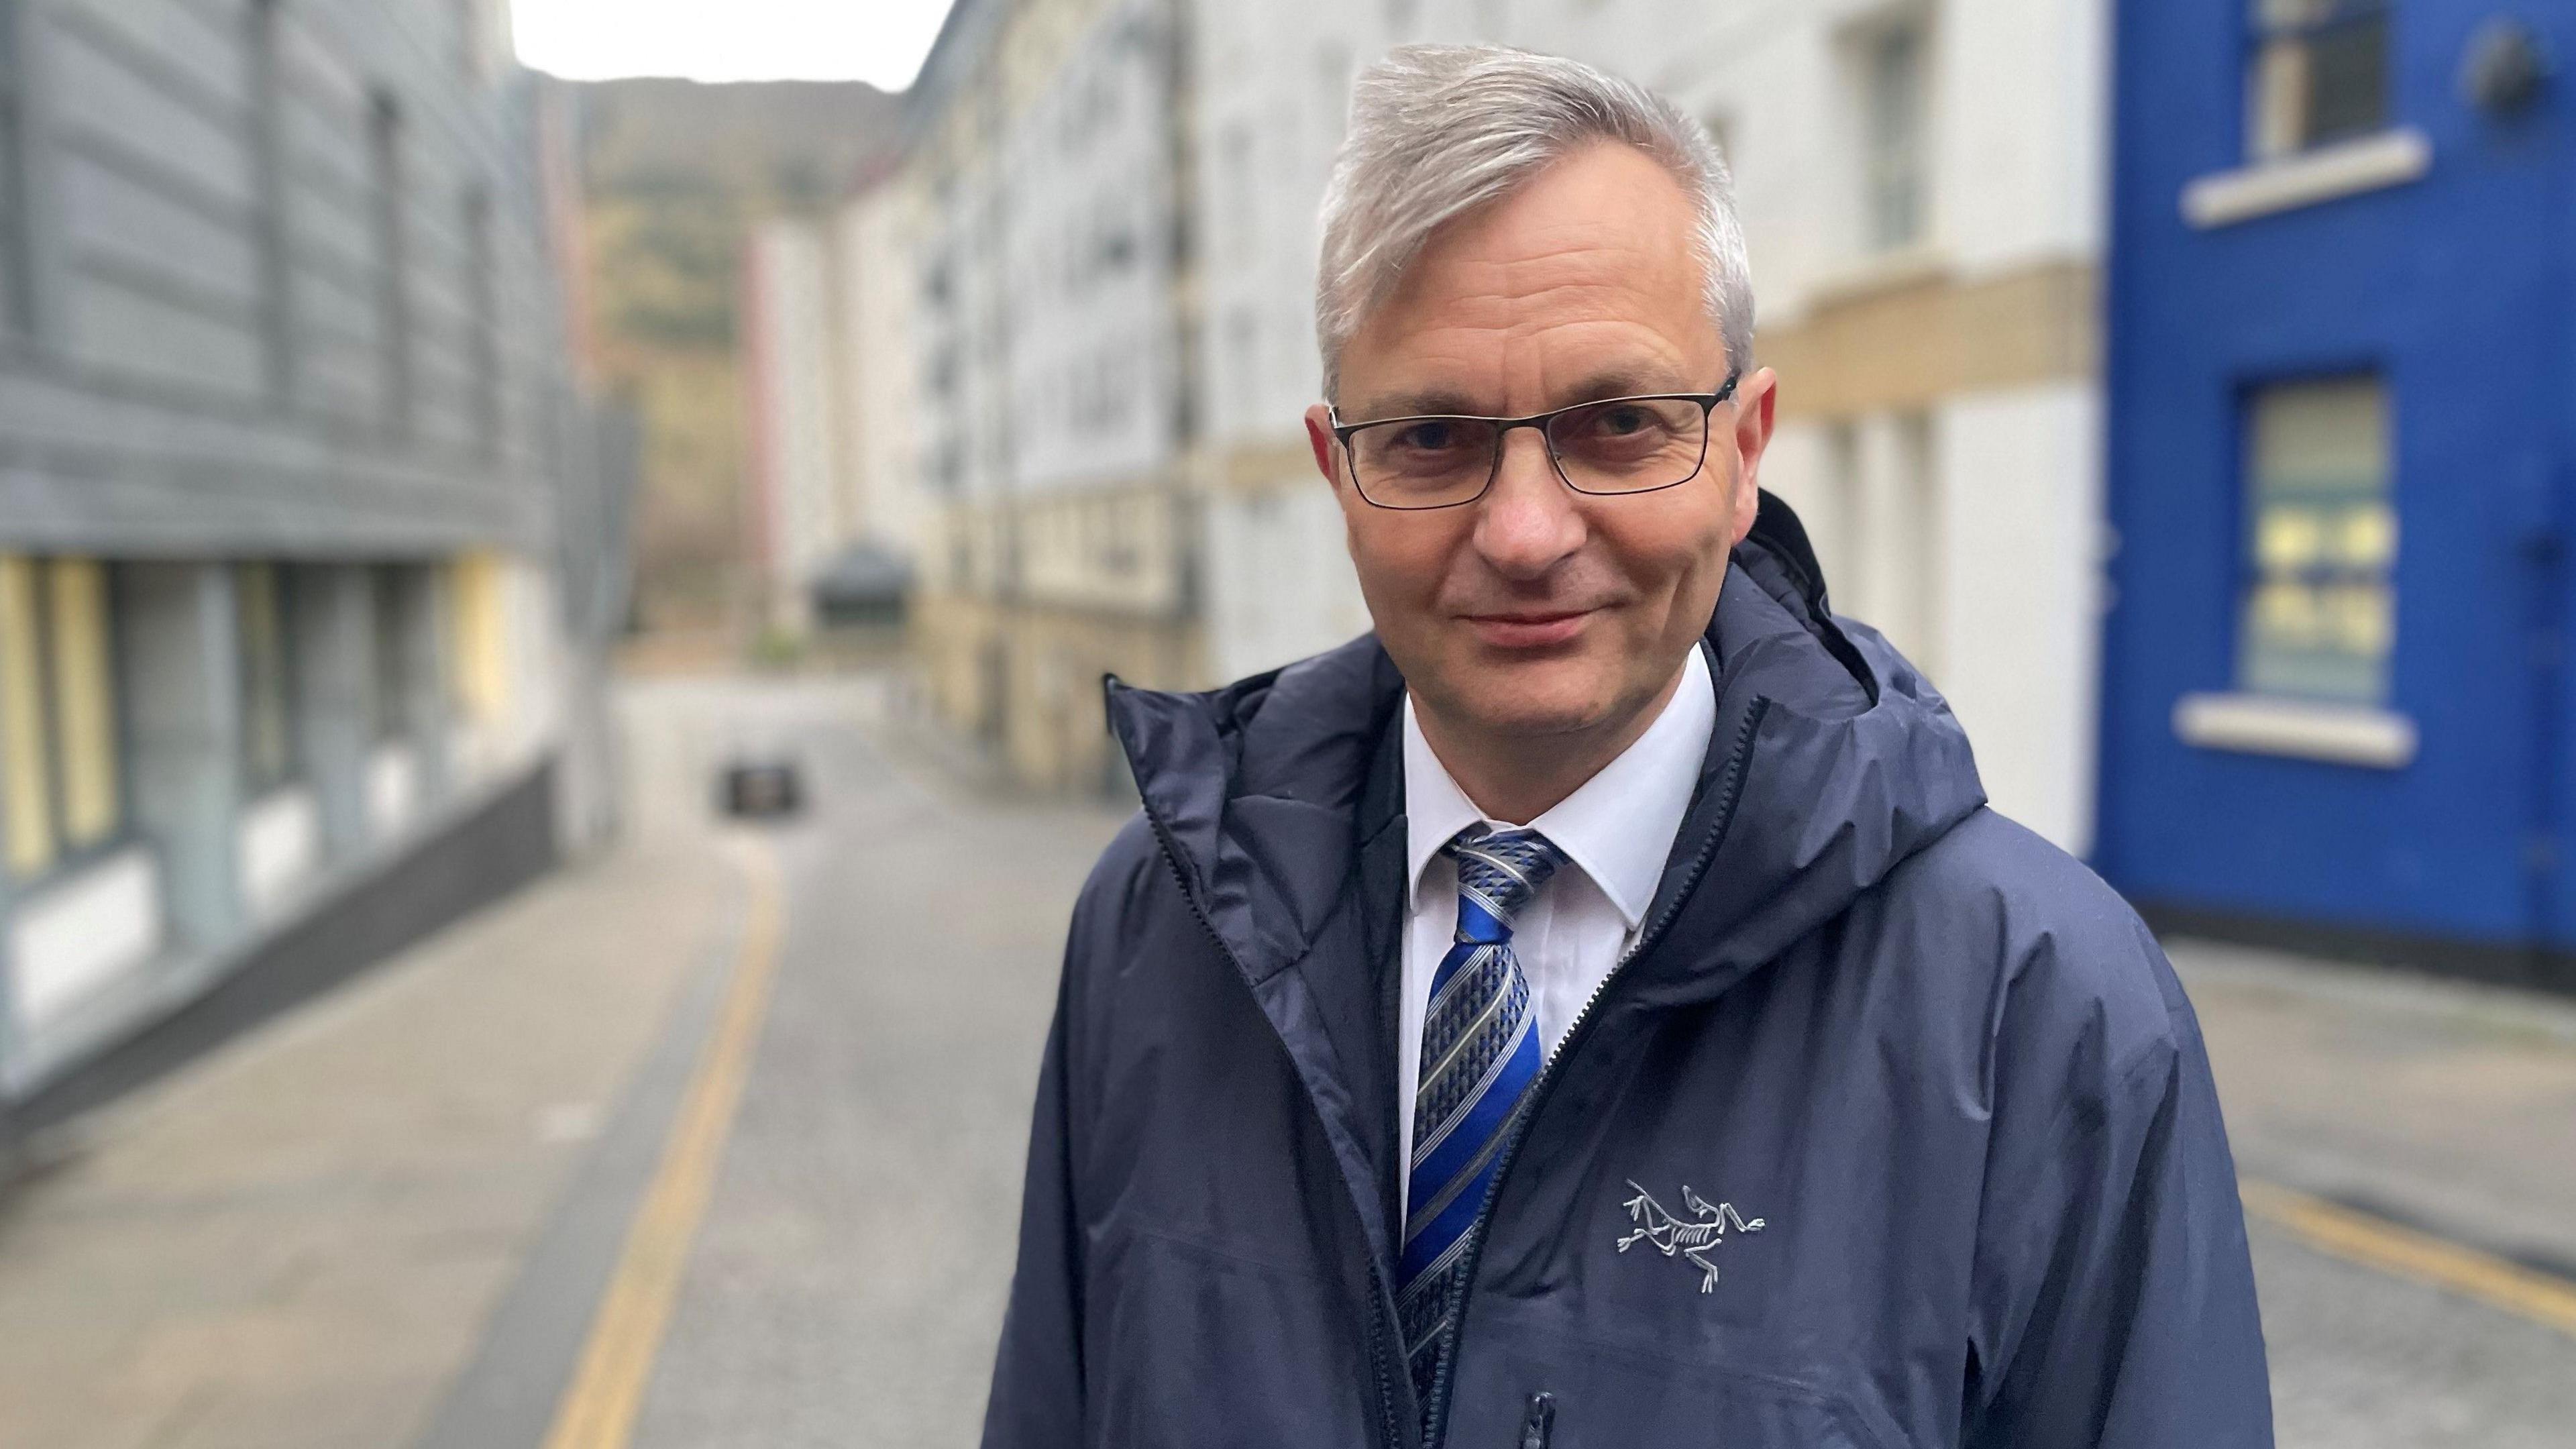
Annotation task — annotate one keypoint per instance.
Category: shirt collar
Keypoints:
(1617, 827)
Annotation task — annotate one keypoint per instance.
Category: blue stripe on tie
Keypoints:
(1471, 1145)
(1482, 1120)
(1475, 923)
(1451, 1225)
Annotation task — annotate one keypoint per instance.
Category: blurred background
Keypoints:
(556, 559)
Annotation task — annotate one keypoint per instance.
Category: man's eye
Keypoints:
(1427, 437)
(1622, 420)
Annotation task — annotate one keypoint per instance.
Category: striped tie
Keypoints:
(1480, 1052)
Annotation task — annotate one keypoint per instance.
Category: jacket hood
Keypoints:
(1832, 760)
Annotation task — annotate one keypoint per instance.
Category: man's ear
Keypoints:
(1756, 398)
(1319, 437)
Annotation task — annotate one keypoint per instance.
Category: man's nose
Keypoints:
(1529, 521)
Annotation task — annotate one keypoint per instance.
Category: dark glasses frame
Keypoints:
(1503, 428)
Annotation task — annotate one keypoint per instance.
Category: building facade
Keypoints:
(789, 362)
(874, 235)
(2340, 466)
(1920, 187)
(831, 404)
(1056, 329)
(307, 529)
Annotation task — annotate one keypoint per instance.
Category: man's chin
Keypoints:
(1541, 698)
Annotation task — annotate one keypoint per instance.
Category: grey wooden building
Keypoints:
(308, 526)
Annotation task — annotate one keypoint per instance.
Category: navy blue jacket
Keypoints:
(1931, 1081)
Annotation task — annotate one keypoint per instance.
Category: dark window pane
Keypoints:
(261, 606)
(2320, 73)
(2348, 80)
(393, 653)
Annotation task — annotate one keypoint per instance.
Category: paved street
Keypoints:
(392, 1218)
(2448, 1107)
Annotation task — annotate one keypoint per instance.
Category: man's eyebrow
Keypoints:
(1620, 382)
(1428, 403)
(1434, 402)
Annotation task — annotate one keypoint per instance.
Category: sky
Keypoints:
(879, 41)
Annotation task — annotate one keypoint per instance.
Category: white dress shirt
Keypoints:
(1616, 831)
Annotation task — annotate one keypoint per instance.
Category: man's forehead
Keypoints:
(1589, 273)
(1606, 214)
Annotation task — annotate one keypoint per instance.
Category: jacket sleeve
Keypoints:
(1036, 1399)
(2115, 1296)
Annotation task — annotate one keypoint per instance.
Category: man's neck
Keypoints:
(1518, 778)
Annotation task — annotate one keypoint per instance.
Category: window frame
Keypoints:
(2247, 573)
(2259, 36)
(483, 304)
(18, 300)
(390, 720)
(258, 783)
(1866, 45)
(66, 855)
(388, 182)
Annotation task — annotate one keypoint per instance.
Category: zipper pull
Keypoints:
(1538, 1425)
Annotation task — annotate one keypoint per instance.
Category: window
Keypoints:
(479, 626)
(2319, 612)
(2320, 73)
(1911, 518)
(1243, 347)
(1880, 532)
(58, 737)
(393, 299)
(268, 190)
(1235, 166)
(396, 666)
(17, 284)
(261, 608)
(1895, 108)
(482, 291)
(1839, 542)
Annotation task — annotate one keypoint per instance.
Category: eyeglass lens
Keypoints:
(1627, 445)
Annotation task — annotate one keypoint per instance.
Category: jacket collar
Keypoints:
(1268, 791)
(1280, 801)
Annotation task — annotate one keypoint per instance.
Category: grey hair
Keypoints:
(1437, 131)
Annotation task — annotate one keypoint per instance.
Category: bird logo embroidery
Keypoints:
(1696, 1238)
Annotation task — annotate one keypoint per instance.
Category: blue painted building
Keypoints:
(2342, 440)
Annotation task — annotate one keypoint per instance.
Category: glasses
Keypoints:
(1616, 445)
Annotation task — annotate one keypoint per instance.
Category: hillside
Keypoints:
(674, 174)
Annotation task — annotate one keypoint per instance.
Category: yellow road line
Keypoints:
(598, 1409)
(2403, 1252)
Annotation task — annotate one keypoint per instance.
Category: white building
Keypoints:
(831, 393)
(876, 237)
(788, 345)
(1059, 391)
(1920, 184)
(1921, 188)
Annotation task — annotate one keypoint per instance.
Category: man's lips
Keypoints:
(1529, 628)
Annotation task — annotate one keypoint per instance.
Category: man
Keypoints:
(1597, 1009)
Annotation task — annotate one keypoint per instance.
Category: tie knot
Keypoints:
(1498, 872)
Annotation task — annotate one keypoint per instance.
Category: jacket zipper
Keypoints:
(1731, 787)
(1538, 1422)
(1389, 1431)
